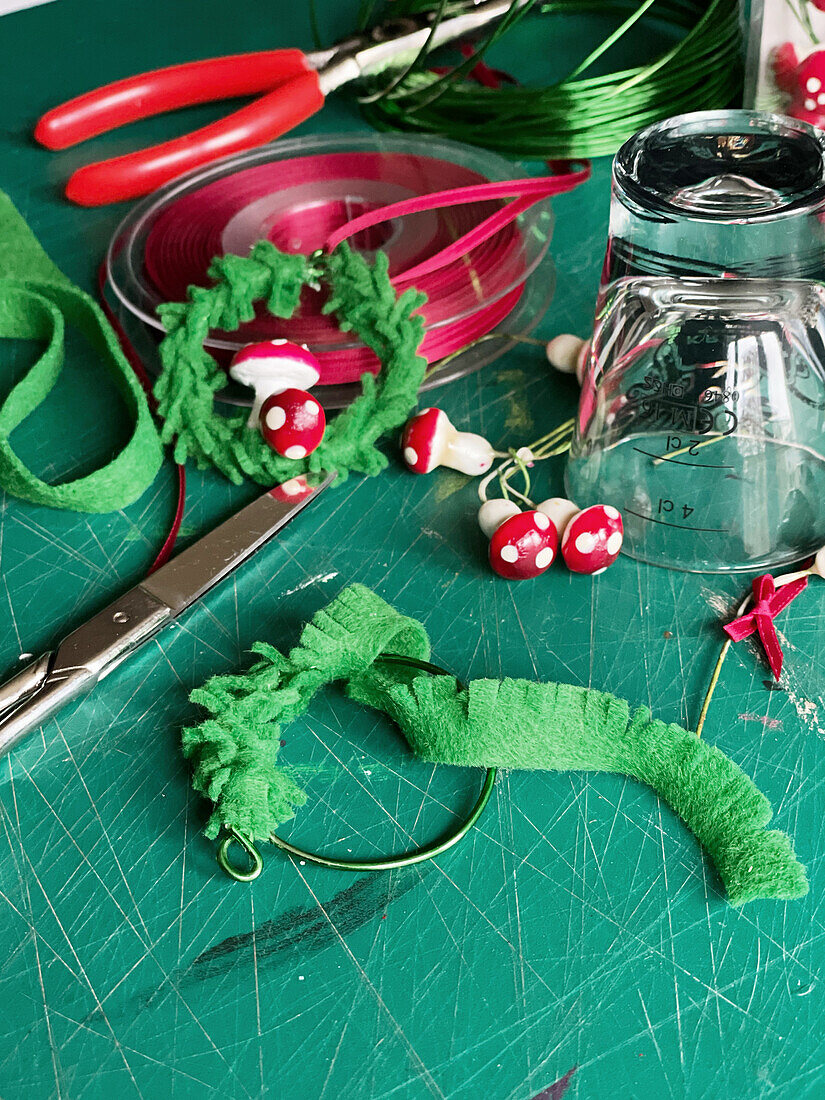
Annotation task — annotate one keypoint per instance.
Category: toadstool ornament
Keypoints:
(560, 510)
(293, 423)
(592, 539)
(494, 512)
(273, 366)
(568, 354)
(523, 546)
(430, 440)
(803, 80)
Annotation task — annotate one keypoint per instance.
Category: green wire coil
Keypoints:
(578, 116)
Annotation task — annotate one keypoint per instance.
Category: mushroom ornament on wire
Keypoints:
(430, 440)
(271, 367)
(523, 546)
(592, 539)
(523, 543)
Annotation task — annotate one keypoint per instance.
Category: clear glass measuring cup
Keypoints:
(702, 414)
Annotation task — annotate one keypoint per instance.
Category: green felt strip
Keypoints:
(36, 303)
(489, 724)
(560, 727)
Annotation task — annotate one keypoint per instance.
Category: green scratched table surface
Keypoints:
(577, 940)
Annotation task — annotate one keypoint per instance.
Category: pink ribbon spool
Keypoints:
(448, 230)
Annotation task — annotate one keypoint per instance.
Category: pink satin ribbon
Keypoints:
(456, 239)
(768, 602)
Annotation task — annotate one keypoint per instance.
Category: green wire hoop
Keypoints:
(379, 863)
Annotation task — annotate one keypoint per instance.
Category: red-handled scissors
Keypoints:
(295, 86)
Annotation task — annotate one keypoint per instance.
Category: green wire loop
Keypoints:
(379, 863)
(232, 836)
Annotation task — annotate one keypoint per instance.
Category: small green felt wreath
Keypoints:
(364, 301)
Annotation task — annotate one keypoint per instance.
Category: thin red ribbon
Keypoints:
(137, 366)
(768, 602)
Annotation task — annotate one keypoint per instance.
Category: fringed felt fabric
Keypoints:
(561, 727)
(488, 724)
(234, 752)
(364, 301)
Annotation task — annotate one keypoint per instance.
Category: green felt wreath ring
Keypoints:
(364, 302)
(484, 724)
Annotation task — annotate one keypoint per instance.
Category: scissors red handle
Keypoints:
(287, 76)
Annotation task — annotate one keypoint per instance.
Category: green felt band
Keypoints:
(489, 724)
(36, 303)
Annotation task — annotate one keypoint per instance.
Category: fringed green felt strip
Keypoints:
(363, 300)
(234, 751)
(489, 724)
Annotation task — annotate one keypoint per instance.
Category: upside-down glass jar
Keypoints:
(702, 414)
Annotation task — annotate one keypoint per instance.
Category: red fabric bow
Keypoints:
(768, 602)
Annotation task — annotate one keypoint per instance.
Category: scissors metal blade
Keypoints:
(200, 567)
(90, 653)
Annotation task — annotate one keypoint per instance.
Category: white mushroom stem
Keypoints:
(267, 379)
(465, 451)
(493, 513)
(560, 510)
(567, 354)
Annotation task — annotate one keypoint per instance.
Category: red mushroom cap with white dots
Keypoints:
(423, 440)
(430, 439)
(592, 539)
(293, 423)
(523, 546)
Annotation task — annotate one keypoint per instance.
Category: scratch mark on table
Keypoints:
(806, 709)
(69, 943)
(427, 1078)
(764, 719)
(320, 578)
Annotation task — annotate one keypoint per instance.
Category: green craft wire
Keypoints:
(581, 117)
